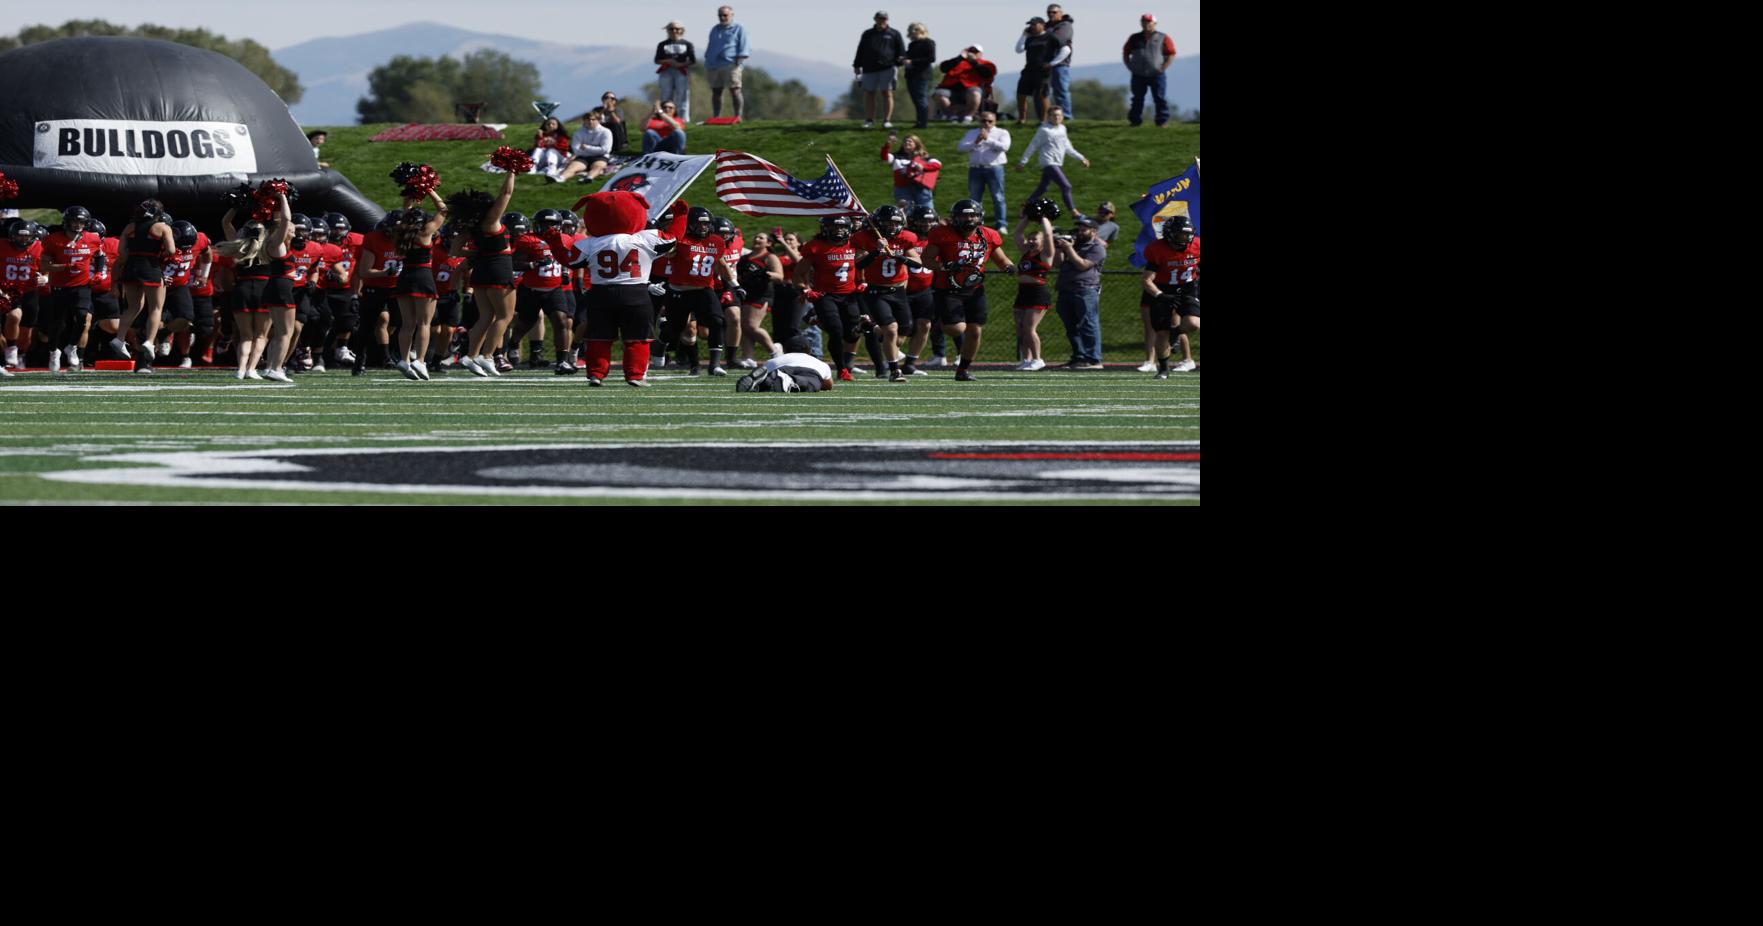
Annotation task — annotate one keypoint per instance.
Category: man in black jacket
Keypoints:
(879, 52)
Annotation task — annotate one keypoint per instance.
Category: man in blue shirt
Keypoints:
(723, 57)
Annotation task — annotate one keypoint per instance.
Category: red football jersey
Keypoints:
(972, 250)
(20, 265)
(386, 256)
(1174, 268)
(835, 265)
(561, 246)
(887, 269)
(448, 270)
(298, 264)
(349, 254)
(76, 251)
(101, 279)
(546, 277)
(184, 263)
(694, 261)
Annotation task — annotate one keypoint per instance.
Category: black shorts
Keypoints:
(887, 308)
(1033, 82)
(839, 314)
(27, 304)
(620, 311)
(924, 305)
(178, 304)
(105, 306)
(528, 303)
(447, 310)
(418, 282)
(954, 307)
(73, 300)
(1033, 296)
(278, 293)
(1186, 302)
(204, 320)
(494, 272)
(705, 305)
(343, 312)
(142, 270)
(374, 300)
(249, 295)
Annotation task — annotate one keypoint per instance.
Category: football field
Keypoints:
(202, 437)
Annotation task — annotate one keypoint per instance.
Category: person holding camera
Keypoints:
(664, 131)
(1078, 259)
(1036, 46)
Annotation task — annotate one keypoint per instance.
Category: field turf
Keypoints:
(201, 437)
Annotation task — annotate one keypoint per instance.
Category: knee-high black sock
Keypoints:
(872, 344)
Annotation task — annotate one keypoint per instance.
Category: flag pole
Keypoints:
(1196, 167)
(848, 186)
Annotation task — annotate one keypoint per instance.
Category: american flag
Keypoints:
(751, 184)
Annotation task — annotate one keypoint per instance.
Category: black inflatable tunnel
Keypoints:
(107, 122)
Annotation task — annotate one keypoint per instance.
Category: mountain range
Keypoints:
(334, 70)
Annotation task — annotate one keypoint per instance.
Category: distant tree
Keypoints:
(407, 89)
(762, 95)
(1093, 99)
(254, 57)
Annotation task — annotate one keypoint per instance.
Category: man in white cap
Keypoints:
(1147, 55)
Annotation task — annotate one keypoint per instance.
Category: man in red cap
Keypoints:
(1147, 55)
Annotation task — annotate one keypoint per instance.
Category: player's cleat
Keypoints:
(502, 364)
(187, 363)
(638, 383)
(345, 357)
(845, 376)
(962, 376)
(595, 381)
(717, 370)
(564, 368)
(899, 376)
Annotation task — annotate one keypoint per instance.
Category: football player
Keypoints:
(1172, 281)
(959, 252)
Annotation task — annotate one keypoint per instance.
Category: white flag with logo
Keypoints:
(660, 177)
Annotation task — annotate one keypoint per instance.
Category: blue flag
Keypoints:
(1180, 196)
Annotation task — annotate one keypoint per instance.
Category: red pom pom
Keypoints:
(8, 188)
(512, 160)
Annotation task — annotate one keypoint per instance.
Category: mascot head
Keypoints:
(615, 212)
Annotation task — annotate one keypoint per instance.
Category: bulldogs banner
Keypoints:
(169, 149)
(660, 177)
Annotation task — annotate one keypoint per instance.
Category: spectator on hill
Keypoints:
(551, 147)
(664, 132)
(921, 54)
(1052, 144)
(613, 120)
(724, 56)
(592, 145)
(1059, 66)
(915, 171)
(1106, 228)
(317, 137)
(988, 150)
(675, 56)
(879, 51)
(1035, 45)
(969, 76)
(1147, 55)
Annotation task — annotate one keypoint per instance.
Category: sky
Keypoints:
(1100, 25)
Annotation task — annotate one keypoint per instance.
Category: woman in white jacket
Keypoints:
(1052, 144)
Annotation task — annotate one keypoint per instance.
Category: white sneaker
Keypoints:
(471, 365)
(151, 353)
(887, 125)
(277, 375)
(345, 357)
(1149, 366)
(489, 364)
(404, 368)
(239, 375)
(186, 364)
(12, 356)
(1025, 365)
(5, 373)
(55, 361)
(1038, 364)
(868, 124)
(1186, 366)
(749, 364)
(73, 358)
(422, 369)
(318, 365)
(253, 374)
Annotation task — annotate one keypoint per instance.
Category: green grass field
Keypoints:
(98, 426)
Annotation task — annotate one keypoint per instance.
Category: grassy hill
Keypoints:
(1126, 162)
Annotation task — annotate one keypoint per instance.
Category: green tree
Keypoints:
(252, 56)
(1095, 100)
(763, 97)
(407, 89)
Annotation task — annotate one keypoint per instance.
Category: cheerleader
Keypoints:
(147, 243)
(479, 218)
(415, 238)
